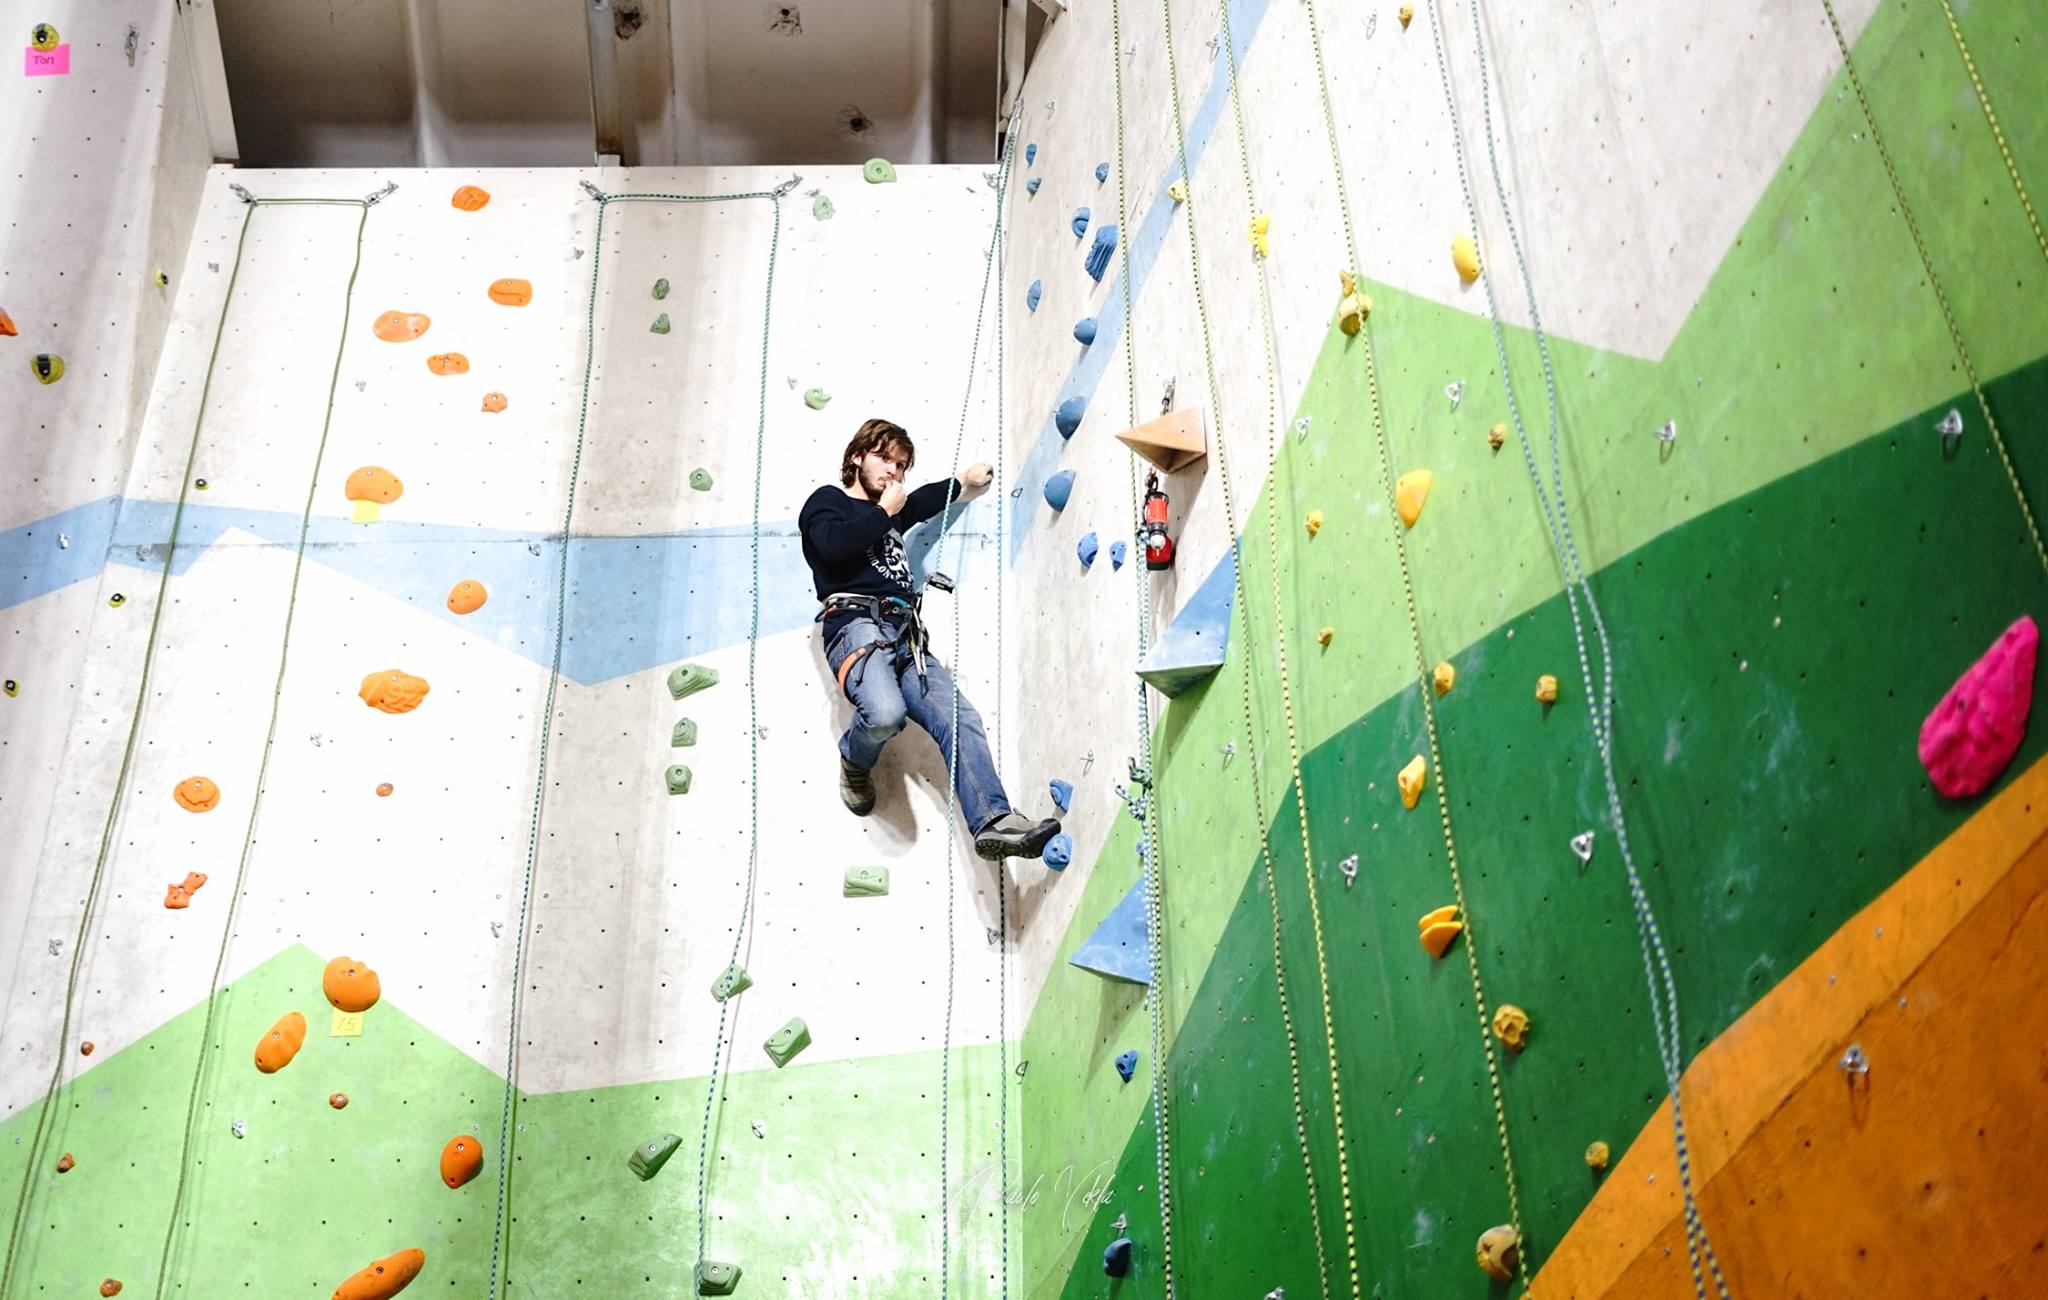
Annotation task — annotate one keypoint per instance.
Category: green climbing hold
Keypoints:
(48, 367)
(660, 325)
(660, 289)
(649, 1157)
(678, 779)
(792, 1038)
(734, 982)
(700, 478)
(714, 1278)
(687, 679)
(822, 208)
(878, 171)
(685, 734)
(867, 882)
(815, 398)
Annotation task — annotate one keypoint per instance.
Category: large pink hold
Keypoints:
(1976, 729)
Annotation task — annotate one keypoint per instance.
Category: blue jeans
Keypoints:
(887, 690)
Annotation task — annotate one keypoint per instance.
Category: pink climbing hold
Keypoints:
(1976, 729)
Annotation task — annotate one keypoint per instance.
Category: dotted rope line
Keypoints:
(1997, 132)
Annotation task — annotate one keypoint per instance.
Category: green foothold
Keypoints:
(685, 734)
(734, 982)
(660, 289)
(822, 208)
(679, 779)
(878, 171)
(649, 1157)
(700, 479)
(867, 882)
(714, 1278)
(792, 1038)
(815, 398)
(660, 325)
(687, 679)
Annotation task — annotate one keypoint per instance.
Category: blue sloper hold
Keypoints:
(1086, 549)
(1059, 851)
(1030, 153)
(1080, 222)
(1084, 331)
(1031, 186)
(1116, 556)
(1116, 949)
(1193, 644)
(1062, 794)
(1068, 417)
(1058, 488)
(1127, 1065)
(1101, 172)
(1099, 251)
(1116, 1259)
(1033, 294)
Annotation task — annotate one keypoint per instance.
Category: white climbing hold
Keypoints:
(239, 1129)
(1582, 844)
(1454, 390)
(1669, 433)
(1950, 429)
(497, 929)
(1349, 867)
(1854, 1061)
(1301, 427)
(56, 947)
(63, 541)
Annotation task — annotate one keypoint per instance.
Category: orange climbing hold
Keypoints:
(467, 596)
(384, 790)
(1438, 928)
(448, 363)
(275, 1050)
(470, 197)
(196, 794)
(350, 985)
(85, 1048)
(7, 325)
(401, 326)
(393, 690)
(372, 487)
(112, 1286)
(339, 1100)
(65, 1164)
(179, 896)
(511, 293)
(383, 1279)
(494, 403)
(461, 1159)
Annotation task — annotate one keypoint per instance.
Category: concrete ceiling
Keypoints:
(355, 83)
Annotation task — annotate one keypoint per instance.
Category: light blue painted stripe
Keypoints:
(1140, 255)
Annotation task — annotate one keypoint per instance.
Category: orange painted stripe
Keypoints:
(1795, 1032)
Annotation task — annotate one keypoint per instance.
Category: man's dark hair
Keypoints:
(875, 435)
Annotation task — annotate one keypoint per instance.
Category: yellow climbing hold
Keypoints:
(1511, 1026)
(1354, 307)
(1546, 689)
(1465, 256)
(1445, 678)
(1314, 522)
(1411, 492)
(1178, 191)
(1500, 1252)
(1412, 778)
(1324, 637)
(1262, 235)
(1496, 436)
(1596, 1156)
(1438, 928)
(1407, 15)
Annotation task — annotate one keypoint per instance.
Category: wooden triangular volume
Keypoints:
(1172, 442)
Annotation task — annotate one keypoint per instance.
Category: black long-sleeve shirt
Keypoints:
(856, 546)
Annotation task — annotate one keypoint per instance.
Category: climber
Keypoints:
(876, 643)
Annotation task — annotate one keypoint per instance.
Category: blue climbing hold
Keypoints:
(1058, 488)
(1127, 1065)
(1062, 794)
(1116, 1260)
(1033, 294)
(1116, 556)
(1101, 172)
(1031, 186)
(1084, 331)
(1099, 251)
(1068, 417)
(1118, 949)
(1080, 222)
(1030, 153)
(1059, 851)
(1086, 549)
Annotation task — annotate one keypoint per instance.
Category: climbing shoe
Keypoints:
(1011, 836)
(857, 788)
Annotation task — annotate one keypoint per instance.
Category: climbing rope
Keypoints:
(114, 805)
(1243, 602)
(507, 1127)
(2012, 169)
(1662, 985)
(1948, 316)
(1002, 873)
(1151, 851)
(989, 264)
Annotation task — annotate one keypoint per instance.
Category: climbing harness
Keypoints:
(882, 611)
(1662, 985)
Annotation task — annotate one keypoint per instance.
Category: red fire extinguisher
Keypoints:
(1158, 546)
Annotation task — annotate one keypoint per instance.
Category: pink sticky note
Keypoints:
(57, 63)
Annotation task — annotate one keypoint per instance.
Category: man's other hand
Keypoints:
(974, 480)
